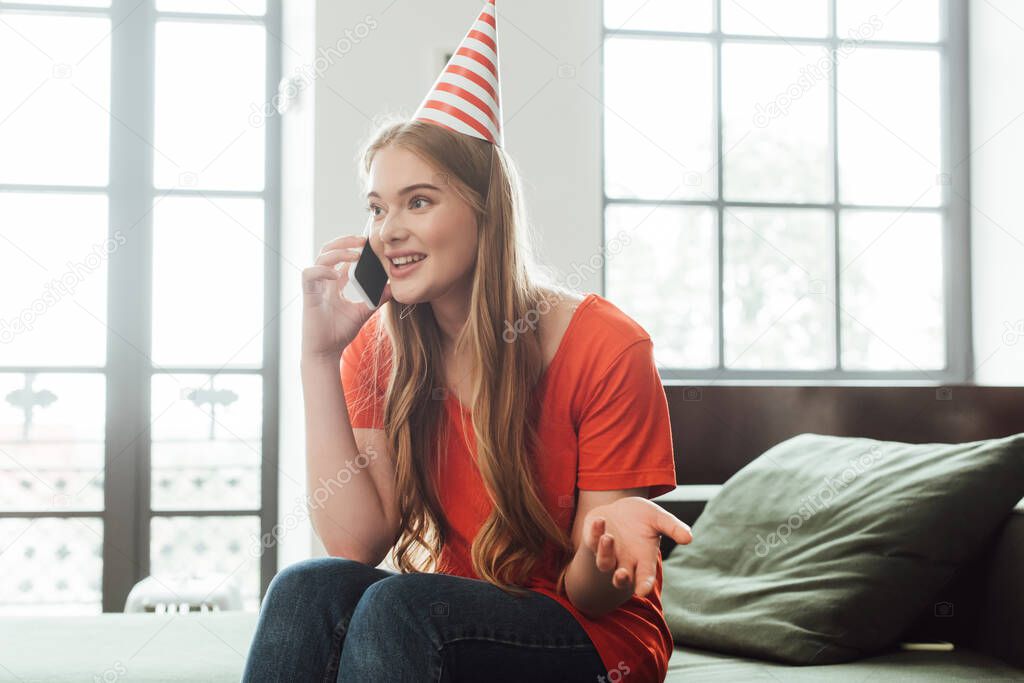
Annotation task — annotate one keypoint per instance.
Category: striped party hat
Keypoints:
(466, 97)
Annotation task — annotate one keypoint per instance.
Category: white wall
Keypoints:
(295, 540)
(997, 180)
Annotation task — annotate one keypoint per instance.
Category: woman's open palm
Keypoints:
(329, 320)
(625, 536)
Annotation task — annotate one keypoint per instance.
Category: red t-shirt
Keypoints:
(603, 425)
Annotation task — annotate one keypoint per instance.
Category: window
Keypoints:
(138, 298)
(785, 185)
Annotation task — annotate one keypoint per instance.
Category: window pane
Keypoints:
(53, 107)
(51, 566)
(892, 265)
(206, 441)
(250, 7)
(51, 441)
(209, 79)
(776, 123)
(53, 278)
(888, 20)
(778, 289)
(889, 127)
(202, 547)
(660, 267)
(659, 141)
(661, 15)
(208, 281)
(789, 18)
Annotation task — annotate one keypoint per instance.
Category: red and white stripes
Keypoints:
(466, 97)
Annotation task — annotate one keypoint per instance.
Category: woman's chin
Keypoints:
(402, 296)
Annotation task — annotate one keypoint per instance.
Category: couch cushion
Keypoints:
(688, 665)
(824, 549)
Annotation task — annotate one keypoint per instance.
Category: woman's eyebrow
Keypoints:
(417, 186)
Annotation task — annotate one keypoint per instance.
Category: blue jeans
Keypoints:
(333, 619)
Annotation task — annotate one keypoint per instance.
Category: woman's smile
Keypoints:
(403, 269)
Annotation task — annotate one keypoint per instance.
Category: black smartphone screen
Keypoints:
(370, 273)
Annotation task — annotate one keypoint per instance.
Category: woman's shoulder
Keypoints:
(596, 330)
(603, 325)
(607, 361)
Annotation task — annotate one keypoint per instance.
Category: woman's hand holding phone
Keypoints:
(330, 321)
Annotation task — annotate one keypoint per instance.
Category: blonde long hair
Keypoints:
(506, 285)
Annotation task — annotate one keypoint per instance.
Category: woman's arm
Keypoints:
(589, 589)
(346, 507)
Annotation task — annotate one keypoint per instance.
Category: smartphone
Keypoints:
(369, 277)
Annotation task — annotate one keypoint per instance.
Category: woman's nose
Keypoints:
(390, 230)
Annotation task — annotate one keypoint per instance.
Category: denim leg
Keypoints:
(303, 619)
(438, 627)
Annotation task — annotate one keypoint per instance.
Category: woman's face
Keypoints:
(429, 219)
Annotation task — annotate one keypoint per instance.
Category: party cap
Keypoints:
(466, 97)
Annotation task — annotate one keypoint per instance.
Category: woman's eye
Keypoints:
(372, 208)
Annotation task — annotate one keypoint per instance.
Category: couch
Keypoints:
(717, 429)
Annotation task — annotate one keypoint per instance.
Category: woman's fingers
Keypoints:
(593, 534)
(334, 256)
(351, 241)
(646, 573)
(670, 525)
(342, 276)
(606, 553)
(314, 278)
(623, 577)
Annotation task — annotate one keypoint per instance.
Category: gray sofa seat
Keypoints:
(964, 665)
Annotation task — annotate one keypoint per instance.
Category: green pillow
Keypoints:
(824, 549)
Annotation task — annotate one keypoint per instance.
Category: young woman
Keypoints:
(496, 439)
